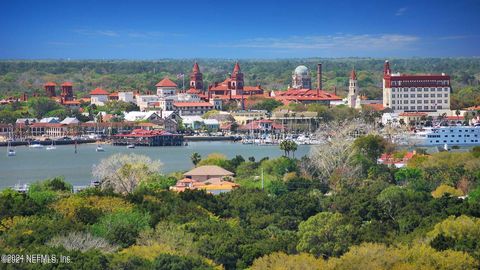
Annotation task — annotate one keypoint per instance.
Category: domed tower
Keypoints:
(301, 78)
(196, 78)
(237, 78)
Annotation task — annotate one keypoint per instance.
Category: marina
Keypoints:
(33, 164)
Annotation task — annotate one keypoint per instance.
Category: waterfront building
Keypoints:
(196, 123)
(415, 92)
(144, 137)
(207, 172)
(296, 121)
(243, 117)
(258, 127)
(98, 97)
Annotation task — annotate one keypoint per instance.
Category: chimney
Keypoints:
(319, 76)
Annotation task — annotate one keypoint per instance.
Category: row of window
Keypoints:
(418, 95)
(437, 82)
(439, 101)
(445, 141)
(453, 136)
(426, 89)
(417, 107)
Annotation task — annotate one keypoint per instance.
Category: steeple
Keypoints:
(237, 78)
(353, 75)
(236, 69)
(386, 69)
(196, 77)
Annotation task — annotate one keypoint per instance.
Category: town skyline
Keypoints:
(250, 30)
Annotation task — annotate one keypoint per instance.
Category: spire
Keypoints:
(353, 75)
(196, 69)
(236, 69)
(386, 68)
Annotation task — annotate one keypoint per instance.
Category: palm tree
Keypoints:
(196, 158)
(288, 146)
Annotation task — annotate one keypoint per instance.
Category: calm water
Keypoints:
(36, 164)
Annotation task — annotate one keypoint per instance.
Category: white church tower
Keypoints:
(353, 95)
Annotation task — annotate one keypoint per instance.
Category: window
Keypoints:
(412, 95)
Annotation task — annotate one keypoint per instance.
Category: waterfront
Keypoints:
(30, 165)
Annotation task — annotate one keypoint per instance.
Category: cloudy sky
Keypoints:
(238, 29)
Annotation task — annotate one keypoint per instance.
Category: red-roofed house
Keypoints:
(390, 159)
(261, 127)
(98, 96)
(166, 88)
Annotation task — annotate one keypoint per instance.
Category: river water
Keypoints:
(31, 164)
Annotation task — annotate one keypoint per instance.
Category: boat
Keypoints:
(99, 149)
(10, 150)
(52, 146)
(451, 135)
(131, 146)
(35, 145)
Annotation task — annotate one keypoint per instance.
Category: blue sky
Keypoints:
(238, 29)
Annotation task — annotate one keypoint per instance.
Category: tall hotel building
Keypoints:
(420, 92)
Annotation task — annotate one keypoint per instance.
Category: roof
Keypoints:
(454, 117)
(70, 120)
(305, 94)
(145, 133)
(196, 69)
(71, 102)
(192, 104)
(98, 91)
(208, 170)
(353, 75)
(67, 84)
(114, 94)
(473, 108)
(375, 106)
(255, 125)
(413, 114)
(236, 68)
(166, 82)
(50, 84)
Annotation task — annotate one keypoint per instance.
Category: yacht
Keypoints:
(99, 149)
(131, 146)
(451, 135)
(35, 145)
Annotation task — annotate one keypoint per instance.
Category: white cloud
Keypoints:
(107, 33)
(400, 11)
(338, 42)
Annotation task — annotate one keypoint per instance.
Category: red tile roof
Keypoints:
(375, 107)
(454, 117)
(67, 84)
(192, 104)
(114, 94)
(98, 91)
(166, 82)
(305, 94)
(413, 114)
(50, 84)
(353, 75)
(196, 69)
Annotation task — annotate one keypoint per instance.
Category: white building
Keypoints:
(126, 96)
(146, 101)
(419, 92)
(141, 116)
(98, 97)
(353, 97)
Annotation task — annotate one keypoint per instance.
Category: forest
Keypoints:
(334, 209)
(116, 75)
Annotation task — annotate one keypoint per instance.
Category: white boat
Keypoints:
(10, 151)
(99, 149)
(131, 146)
(51, 147)
(35, 145)
(451, 135)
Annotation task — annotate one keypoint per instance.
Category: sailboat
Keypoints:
(10, 150)
(52, 146)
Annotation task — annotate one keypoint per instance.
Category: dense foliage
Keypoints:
(282, 217)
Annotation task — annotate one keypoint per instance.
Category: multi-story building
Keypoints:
(417, 92)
